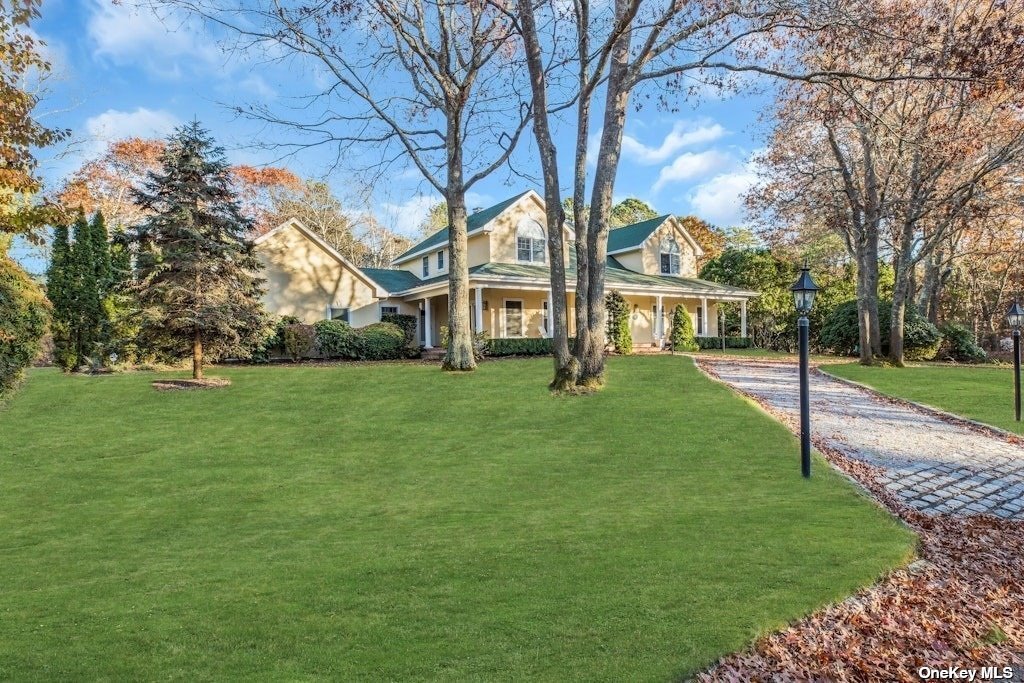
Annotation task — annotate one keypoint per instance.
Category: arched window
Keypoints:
(670, 256)
(530, 247)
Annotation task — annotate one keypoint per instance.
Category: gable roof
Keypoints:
(632, 236)
(475, 220)
(331, 251)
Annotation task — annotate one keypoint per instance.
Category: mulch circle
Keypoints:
(190, 384)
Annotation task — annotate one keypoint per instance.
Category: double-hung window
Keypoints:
(669, 256)
(440, 260)
(426, 266)
(530, 243)
(340, 314)
(388, 310)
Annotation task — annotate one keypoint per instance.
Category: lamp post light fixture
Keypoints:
(1015, 316)
(804, 290)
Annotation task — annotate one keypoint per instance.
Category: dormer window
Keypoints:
(669, 256)
(530, 247)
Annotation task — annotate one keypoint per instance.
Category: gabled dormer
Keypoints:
(659, 246)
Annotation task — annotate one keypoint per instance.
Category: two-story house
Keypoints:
(653, 265)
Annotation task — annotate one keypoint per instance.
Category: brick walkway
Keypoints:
(931, 464)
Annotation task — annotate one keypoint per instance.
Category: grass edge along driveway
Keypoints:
(395, 522)
(983, 393)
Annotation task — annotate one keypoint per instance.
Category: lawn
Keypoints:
(392, 522)
(982, 393)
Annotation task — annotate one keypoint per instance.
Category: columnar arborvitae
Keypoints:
(617, 324)
(59, 288)
(80, 283)
(197, 276)
(681, 336)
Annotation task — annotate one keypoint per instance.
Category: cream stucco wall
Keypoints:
(304, 280)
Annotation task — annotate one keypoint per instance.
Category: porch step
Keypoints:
(432, 354)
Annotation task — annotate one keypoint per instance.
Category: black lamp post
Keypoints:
(804, 290)
(1015, 316)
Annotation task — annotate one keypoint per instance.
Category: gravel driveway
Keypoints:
(931, 464)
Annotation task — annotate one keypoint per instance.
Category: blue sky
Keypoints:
(120, 71)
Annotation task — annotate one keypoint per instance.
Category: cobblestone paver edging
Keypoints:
(931, 462)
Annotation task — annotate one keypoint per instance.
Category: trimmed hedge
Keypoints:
(337, 339)
(408, 323)
(299, 340)
(519, 347)
(730, 342)
(382, 341)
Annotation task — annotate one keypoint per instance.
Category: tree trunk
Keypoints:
(616, 101)
(931, 286)
(459, 355)
(899, 307)
(566, 367)
(867, 298)
(197, 356)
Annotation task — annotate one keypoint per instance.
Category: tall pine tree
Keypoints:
(198, 279)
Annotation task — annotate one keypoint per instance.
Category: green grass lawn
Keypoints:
(393, 522)
(983, 393)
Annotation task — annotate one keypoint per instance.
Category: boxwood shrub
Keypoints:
(382, 341)
(337, 339)
(408, 324)
(519, 347)
(730, 342)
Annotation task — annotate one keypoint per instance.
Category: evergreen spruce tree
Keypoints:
(87, 297)
(197, 276)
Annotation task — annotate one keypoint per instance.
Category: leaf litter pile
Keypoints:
(960, 605)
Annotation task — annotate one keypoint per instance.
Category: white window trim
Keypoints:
(504, 319)
(382, 306)
(425, 266)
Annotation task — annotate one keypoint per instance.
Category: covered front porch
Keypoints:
(501, 312)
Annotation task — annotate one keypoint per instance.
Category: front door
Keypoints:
(513, 318)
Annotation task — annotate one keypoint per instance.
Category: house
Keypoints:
(653, 265)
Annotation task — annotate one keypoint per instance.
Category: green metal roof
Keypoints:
(632, 236)
(400, 281)
(392, 279)
(476, 220)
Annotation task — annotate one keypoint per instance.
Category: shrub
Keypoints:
(841, 334)
(408, 324)
(958, 343)
(730, 342)
(24, 313)
(382, 341)
(273, 343)
(519, 347)
(681, 336)
(617, 326)
(299, 340)
(337, 339)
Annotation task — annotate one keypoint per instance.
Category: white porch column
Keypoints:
(743, 318)
(659, 324)
(478, 304)
(427, 324)
(704, 316)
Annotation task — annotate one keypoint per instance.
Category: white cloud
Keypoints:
(683, 134)
(720, 199)
(690, 165)
(405, 218)
(128, 34)
(115, 125)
